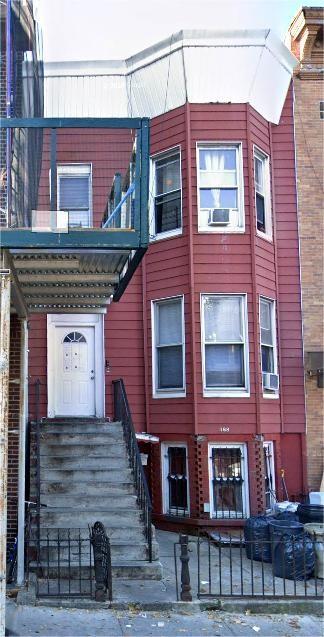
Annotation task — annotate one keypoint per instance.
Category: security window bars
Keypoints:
(220, 187)
(167, 193)
(74, 193)
(268, 338)
(168, 351)
(262, 192)
(176, 479)
(224, 342)
(228, 481)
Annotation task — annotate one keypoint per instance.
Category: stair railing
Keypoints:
(122, 413)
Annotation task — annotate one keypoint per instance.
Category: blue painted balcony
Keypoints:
(76, 223)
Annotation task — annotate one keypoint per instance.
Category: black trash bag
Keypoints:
(257, 538)
(287, 515)
(293, 557)
(311, 513)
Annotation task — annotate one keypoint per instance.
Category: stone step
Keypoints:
(115, 489)
(85, 501)
(75, 427)
(76, 517)
(109, 451)
(79, 438)
(120, 551)
(85, 463)
(132, 570)
(87, 474)
(116, 530)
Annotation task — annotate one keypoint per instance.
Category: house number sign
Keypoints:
(224, 430)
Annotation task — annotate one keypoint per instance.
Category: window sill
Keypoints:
(272, 396)
(265, 236)
(226, 394)
(220, 230)
(166, 235)
(170, 394)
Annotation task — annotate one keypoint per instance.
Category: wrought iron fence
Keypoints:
(122, 413)
(229, 566)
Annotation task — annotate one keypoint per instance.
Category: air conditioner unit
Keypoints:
(270, 381)
(219, 217)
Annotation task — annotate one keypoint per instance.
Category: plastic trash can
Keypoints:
(317, 532)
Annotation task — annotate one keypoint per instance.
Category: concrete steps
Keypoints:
(86, 477)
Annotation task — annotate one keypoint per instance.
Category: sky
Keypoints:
(116, 29)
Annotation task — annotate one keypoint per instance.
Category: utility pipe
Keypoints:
(8, 106)
(4, 412)
(23, 394)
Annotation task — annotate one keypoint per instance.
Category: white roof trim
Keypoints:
(201, 66)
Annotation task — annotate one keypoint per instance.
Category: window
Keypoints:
(229, 485)
(74, 193)
(175, 483)
(225, 352)
(168, 347)
(322, 110)
(220, 188)
(166, 191)
(269, 476)
(262, 193)
(269, 363)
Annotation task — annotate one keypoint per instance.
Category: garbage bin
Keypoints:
(293, 555)
(311, 513)
(317, 532)
(257, 538)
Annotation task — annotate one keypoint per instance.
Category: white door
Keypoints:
(74, 371)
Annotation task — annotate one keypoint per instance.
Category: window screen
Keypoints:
(169, 344)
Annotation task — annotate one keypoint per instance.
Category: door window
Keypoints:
(228, 481)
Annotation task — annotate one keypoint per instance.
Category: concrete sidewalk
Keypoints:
(25, 621)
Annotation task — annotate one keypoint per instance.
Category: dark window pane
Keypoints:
(267, 359)
(218, 198)
(224, 366)
(74, 193)
(227, 482)
(167, 175)
(260, 212)
(168, 212)
(170, 369)
(177, 478)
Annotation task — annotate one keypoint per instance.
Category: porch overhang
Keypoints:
(70, 280)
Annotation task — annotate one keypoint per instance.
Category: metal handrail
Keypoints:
(122, 413)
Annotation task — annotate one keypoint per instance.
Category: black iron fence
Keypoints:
(70, 562)
(122, 413)
(229, 566)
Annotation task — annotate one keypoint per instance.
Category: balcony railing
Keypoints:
(71, 175)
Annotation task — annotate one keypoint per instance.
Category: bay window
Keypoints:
(269, 364)
(224, 346)
(220, 187)
(166, 192)
(262, 193)
(168, 347)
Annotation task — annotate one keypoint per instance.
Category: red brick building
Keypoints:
(306, 42)
(208, 335)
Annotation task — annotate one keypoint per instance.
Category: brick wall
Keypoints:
(13, 428)
(309, 149)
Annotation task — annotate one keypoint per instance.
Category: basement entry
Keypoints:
(75, 371)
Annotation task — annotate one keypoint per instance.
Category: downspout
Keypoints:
(23, 397)
(8, 106)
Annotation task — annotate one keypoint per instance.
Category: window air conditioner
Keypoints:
(270, 381)
(219, 217)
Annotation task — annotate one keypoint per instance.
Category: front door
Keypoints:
(74, 371)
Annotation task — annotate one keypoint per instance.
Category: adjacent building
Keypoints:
(305, 39)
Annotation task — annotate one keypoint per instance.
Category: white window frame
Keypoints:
(154, 236)
(231, 392)
(264, 158)
(76, 170)
(270, 446)
(245, 487)
(165, 470)
(273, 317)
(231, 227)
(176, 392)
